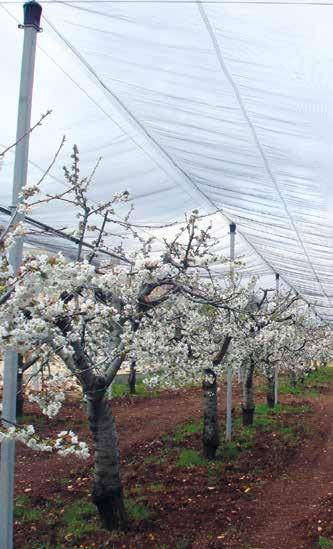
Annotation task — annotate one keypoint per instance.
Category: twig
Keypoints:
(39, 123)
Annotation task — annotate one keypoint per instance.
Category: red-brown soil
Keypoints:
(294, 508)
(276, 495)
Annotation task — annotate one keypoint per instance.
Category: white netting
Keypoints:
(207, 105)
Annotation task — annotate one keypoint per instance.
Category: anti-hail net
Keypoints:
(191, 105)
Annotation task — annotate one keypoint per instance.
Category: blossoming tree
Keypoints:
(187, 341)
(86, 312)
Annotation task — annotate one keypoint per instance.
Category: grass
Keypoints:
(323, 375)
(299, 390)
(288, 434)
(186, 430)
(122, 389)
(157, 487)
(313, 382)
(325, 543)
(269, 419)
(79, 519)
(229, 451)
(190, 458)
(64, 481)
(23, 512)
(154, 459)
(292, 409)
(137, 510)
(242, 440)
(79, 510)
(266, 420)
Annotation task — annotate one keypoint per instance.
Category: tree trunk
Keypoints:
(210, 435)
(248, 398)
(293, 378)
(132, 378)
(107, 493)
(270, 390)
(19, 393)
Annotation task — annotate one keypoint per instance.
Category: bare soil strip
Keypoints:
(287, 512)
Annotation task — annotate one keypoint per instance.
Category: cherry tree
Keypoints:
(257, 335)
(187, 341)
(86, 312)
(305, 343)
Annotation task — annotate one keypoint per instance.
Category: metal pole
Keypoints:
(35, 379)
(32, 13)
(232, 228)
(276, 371)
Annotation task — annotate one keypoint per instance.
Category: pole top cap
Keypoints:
(232, 227)
(32, 13)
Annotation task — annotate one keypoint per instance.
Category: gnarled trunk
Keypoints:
(210, 435)
(270, 396)
(132, 378)
(248, 397)
(107, 493)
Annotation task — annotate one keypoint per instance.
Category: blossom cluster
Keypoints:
(51, 394)
(66, 442)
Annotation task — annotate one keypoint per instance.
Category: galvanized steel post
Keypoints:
(32, 14)
(276, 371)
(228, 431)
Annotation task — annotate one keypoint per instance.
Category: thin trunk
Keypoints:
(293, 378)
(107, 493)
(240, 374)
(270, 390)
(20, 392)
(132, 378)
(248, 397)
(210, 435)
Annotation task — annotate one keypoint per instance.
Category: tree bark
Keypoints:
(132, 378)
(107, 493)
(248, 397)
(210, 435)
(270, 397)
